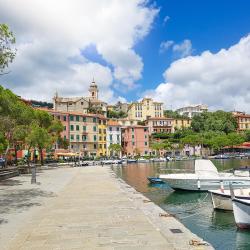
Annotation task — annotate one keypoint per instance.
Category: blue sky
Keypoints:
(131, 51)
(210, 25)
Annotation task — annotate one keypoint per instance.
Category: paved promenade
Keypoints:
(89, 208)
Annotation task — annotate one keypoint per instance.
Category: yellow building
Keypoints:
(181, 123)
(102, 134)
(144, 109)
(243, 120)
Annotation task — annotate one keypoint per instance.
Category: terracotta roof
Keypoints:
(71, 113)
(160, 118)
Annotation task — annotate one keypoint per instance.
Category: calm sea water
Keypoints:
(193, 209)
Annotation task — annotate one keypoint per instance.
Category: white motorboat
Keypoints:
(142, 160)
(206, 177)
(221, 199)
(241, 210)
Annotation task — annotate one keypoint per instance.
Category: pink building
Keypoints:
(135, 140)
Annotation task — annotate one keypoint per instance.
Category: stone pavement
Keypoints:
(95, 210)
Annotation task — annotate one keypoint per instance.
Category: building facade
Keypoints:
(113, 135)
(102, 140)
(160, 125)
(192, 110)
(135, 141)
(84, 134)
(243, 120)
(181, 123)
(84, 105)
(144, 109)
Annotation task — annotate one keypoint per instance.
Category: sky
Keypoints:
(175, 51)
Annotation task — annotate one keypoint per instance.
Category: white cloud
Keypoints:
(165, 45)
(51, 35)
(221, 80)
(183, 49)
(165, 20)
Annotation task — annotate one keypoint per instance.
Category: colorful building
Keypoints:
(243, 120)
(192, 110)
(82, 105)
(102, 133)
(144, 109)
(113, 134)
(160, 125)
(135, 140)
(181, 123)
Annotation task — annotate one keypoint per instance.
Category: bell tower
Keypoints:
(93, 90)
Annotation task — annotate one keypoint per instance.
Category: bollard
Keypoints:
(33, 174)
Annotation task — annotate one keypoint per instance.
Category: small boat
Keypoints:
(242, 171)
(142, 160)
(241, 210)
(161, 159)
(155, 180)
(222, 157)
(206, 177)
(131, 160)
(221, 199)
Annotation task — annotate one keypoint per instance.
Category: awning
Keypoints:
(67, 154)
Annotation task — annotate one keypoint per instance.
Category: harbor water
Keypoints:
(193, 209)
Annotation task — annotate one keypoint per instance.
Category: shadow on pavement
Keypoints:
(19, 200)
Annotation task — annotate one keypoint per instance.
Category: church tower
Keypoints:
(93, 90)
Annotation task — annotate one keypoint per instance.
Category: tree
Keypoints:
(7, 53)
(157, 146)
(247, 135)
(235, 139)
(115, 148)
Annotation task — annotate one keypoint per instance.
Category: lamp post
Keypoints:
(33, 169)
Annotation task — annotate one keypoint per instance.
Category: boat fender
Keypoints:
(221, 186)
(199, 184)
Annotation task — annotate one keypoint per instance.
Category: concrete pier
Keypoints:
(93, 210)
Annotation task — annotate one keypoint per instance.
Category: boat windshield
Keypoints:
(205, 168)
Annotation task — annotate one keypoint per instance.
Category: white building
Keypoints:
(192, 110)
(113, 135)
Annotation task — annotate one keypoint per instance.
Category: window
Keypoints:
(72, 118)
(104, 122)
(95, 146)
(94, 137)
(71, 137)
(84, 128)
(84, 119)
(110, 137)
(84, 137)
(71, 127)
(104, 131)
(117, 129)
(104, 145)
(100, 138)
(110, 128)
(132, 129)
(145, 129)
(84, 146)
(94, 128)
(58, 117)
(100, 131)
(133, 143)
(64, 128)
(133, 136)
(94, 119)
(77, 127)
(146, 143)
(77, 137)
(118, 138)
(147, 136)
(81, 103)
(77, 118)
(65, 118)
(65, 138)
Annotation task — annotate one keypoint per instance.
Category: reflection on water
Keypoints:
(194, 209)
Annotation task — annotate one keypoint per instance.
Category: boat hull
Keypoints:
(241, 211)
(222, 202)
(205, 184)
